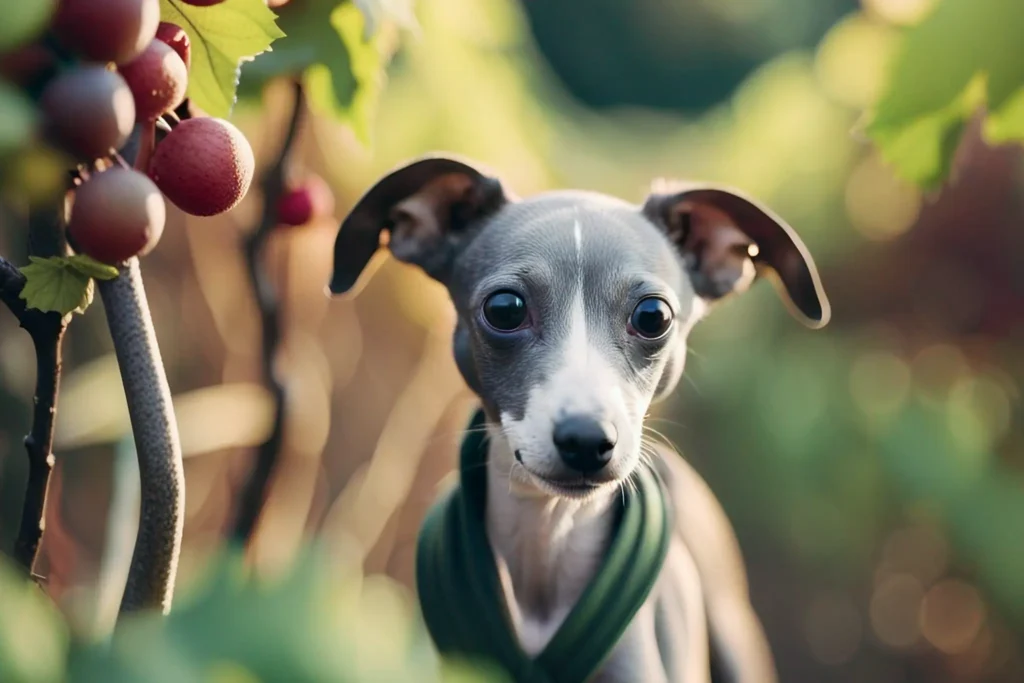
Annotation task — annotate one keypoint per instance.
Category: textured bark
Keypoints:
(161, 519)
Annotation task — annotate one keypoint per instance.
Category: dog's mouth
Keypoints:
(577, 488)
(568, 489)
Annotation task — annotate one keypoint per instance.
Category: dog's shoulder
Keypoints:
(739, 650)
(704, 527)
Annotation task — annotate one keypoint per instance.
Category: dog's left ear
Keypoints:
(727, 240)
(427, 210)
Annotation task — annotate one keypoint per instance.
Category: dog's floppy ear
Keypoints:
(426, 210)
(727, 239)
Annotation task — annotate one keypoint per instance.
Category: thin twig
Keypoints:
(254, 491)
(47, 333)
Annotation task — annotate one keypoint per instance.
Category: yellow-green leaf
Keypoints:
(52, 284)
(90, 267)
(223, 36)
(33, 638)
(326, 44)
(964, 54)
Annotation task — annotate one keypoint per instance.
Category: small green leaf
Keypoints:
(964, 54)
(54, 285)
(23, 21)
(223, 36)
(90, 267)
(341, 69)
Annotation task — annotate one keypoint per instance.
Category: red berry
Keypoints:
(117, 214)
(157, 79)
(176, 37)
(106, 30)
(204, 166)
(88, 111)
(202, 3)
(311, 200)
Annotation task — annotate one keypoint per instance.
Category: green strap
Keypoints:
(461, 597)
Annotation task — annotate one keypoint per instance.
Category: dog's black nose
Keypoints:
(585, 443)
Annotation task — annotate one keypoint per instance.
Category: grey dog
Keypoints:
(573, 314)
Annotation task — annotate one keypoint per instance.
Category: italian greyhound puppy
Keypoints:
(573, 315)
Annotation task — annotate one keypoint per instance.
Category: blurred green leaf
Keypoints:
(341, 69)
(964, 54)
(23, 21)
(33, 639)
(90, 267)
(223, 36)
(311, 626)
(17, 118)
(53, 284)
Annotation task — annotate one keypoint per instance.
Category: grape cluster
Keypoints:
(107, 67)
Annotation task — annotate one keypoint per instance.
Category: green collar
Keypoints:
(462, 600)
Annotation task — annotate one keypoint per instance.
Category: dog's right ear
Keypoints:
(427, 211)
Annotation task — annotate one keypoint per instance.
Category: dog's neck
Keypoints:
(547, 549)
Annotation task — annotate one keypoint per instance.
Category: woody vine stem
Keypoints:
(47, 333)
(254, 490)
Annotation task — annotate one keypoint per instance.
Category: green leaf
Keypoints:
(341, 69)
(33, 639)
(90, 267)
(223, 36)
(310, 625)
(53, 284)
(23, 21)
(964, 54)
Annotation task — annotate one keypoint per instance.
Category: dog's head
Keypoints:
(573, 307)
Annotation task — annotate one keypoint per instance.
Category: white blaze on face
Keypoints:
(583, 383)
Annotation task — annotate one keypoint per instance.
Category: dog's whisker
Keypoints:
(692, 383)
(666, 420)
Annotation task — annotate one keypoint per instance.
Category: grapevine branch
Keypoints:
(161, 471)
(254, 490)
(154, 564)
(46, 330)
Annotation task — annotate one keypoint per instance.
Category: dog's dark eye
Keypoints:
(651, 318)
(505, 311)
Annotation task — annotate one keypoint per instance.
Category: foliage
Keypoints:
(966, 54)
(33, 638)
(327, 43)
(223, 37)
(63, 284)
(307, 626)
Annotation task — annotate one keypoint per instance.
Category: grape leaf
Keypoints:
(90, 267)
(341, 69)
(223, 36)
(53, 284)
(964, 54)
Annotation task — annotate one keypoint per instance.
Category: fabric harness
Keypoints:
(462, 600)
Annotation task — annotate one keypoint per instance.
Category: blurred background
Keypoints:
(874, 470)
